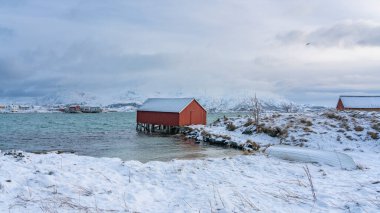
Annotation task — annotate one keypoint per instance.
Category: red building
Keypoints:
(365, 103)
(171, 112)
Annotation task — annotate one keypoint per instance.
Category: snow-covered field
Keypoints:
(66, 182)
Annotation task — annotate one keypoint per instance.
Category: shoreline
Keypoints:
(244, 183)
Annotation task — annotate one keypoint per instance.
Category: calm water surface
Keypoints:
(99, 135)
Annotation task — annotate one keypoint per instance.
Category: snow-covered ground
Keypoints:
(67, 183)
(325, 130)
(248, 183)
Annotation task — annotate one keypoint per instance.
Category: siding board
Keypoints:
(193, 113)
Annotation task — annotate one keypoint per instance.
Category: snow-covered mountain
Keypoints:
(131, 100)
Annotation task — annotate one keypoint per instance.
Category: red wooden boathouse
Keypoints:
(365, 103)
(165, 113)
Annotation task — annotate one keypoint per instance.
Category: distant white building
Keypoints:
(24, 107)
(12, 108)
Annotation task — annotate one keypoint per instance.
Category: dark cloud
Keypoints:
(188, 47)
(345, 34)
(6, 32)
(81, 66)
(5, 70)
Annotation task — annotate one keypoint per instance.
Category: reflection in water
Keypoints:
(99, 135)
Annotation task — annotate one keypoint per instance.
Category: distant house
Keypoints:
(88, 109)
(73, 109)
(365, 103)
(24, 107)
(170, 112)
(13, 108)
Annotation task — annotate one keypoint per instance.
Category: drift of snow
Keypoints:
(67, 183)
(336, 159)
(165, 104)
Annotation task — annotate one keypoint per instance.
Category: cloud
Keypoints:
(5, 32)
(345, 34)
(193, 47)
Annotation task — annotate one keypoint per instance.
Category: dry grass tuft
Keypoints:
(358, 128)
(231, 127)
(253, 145)
(249, 122)
(376, 127)
(307, 171)
(374, 135)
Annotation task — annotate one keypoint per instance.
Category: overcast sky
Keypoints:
(304, 51)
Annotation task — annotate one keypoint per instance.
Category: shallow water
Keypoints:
(99, 135)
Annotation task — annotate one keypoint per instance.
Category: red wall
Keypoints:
(193, 114)
(158, 118)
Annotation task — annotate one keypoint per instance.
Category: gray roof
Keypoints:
(363, 102)
(165, 104)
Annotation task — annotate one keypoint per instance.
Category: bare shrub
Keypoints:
(307, 171)
(345, 126)
(225, 118)
(248, 131)
(217, 121)
(249, 122)
(376, 127)
(307, 129)
(333, 115)
(274, 131)
(288, 107)
(306, 122)
(374, 135)
(253, 145)
(256, 109)
(231, 127)
(358, 128)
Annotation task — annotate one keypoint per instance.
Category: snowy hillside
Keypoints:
(130, 101)
(215, 104)
(325, 130)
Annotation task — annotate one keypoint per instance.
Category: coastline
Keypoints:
(244, 183)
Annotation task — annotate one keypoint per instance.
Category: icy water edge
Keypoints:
(98, 135)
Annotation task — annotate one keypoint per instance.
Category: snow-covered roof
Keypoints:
(363, 102)
(165, 104)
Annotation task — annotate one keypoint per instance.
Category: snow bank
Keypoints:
(336, 159)
(71, 183)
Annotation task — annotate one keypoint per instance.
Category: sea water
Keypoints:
(98, 135)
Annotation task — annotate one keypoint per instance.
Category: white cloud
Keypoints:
(214, 47)
(344, 34)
